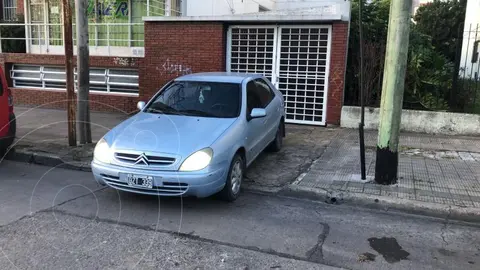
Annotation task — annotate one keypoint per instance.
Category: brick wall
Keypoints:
(57, 98)
(338, 61)
(173, 49)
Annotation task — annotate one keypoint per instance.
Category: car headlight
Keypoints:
(102, 152)
(197, 161)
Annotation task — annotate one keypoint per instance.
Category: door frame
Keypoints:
(246, 26)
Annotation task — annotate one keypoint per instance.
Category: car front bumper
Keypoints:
(165, 183)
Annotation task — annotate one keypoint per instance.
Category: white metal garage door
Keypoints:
(294, 58)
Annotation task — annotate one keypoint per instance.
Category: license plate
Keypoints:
(142, 181)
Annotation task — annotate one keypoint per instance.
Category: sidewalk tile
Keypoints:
(443, 200)
(445, 195)
(466, 156)
(424, 193)
(474, 196)
(339, 185)
(476, 156)
(355, 187)
(461, 192)
(372, 189)
(425, 198)
(409, 196)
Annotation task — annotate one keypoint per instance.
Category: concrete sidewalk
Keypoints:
(435, 172)
(50, 126)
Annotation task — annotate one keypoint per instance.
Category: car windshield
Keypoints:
(205, 99)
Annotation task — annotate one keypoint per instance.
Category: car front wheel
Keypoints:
(231, 191)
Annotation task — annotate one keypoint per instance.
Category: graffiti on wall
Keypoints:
(170, 67)
(124, 61)
(118, 8)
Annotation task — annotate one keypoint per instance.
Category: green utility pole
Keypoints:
(392, 92)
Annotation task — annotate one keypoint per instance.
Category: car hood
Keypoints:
(174, 134)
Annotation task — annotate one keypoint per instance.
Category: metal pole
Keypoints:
(28, 28)
(392, 92)
(68, 43)
(168, 8)
(108, 38)
(362, 95)
(148, 8)
(130, 25)
(96, 21)
(82, 70)
(456, 68)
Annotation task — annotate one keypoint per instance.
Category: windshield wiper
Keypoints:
(197, 113)
(165, 109)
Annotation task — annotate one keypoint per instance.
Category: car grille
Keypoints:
(146, 160)
(167, 189)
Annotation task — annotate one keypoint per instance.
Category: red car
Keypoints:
(7, 117)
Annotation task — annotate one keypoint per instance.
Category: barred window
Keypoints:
(9, 10)
(108, 80)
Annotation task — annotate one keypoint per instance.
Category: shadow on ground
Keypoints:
(302, 145)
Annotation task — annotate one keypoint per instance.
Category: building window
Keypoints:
(111, 23)
(176, 9)
(109, 80)
(9, 10)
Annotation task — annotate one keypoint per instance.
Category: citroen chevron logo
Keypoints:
(142, 159)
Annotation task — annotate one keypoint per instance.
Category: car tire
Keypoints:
(277, 143)
(5, 143)
(13, 126)
(231, 191)
(12, 132)
(3, 151)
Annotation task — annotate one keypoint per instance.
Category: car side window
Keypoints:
(253, 98)
(1, 88)
(264, 91)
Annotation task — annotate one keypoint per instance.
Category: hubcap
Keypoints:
(236, 177)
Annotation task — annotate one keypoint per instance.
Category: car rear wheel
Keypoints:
(277, 144)
(8, 141)
(231, 191)
(12, 132)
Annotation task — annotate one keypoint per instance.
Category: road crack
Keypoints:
(316, 253)
(445, 225)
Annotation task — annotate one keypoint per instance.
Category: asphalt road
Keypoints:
(58, 219)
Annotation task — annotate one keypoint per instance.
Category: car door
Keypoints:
(255, 126)
(4, 110)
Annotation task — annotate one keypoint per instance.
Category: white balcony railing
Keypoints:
(107, 39)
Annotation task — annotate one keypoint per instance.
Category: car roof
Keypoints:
(224, 77)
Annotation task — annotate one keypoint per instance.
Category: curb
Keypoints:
(46, 159)
(447, 212)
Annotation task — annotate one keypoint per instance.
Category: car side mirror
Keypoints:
(258, 113)
(141, 105)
